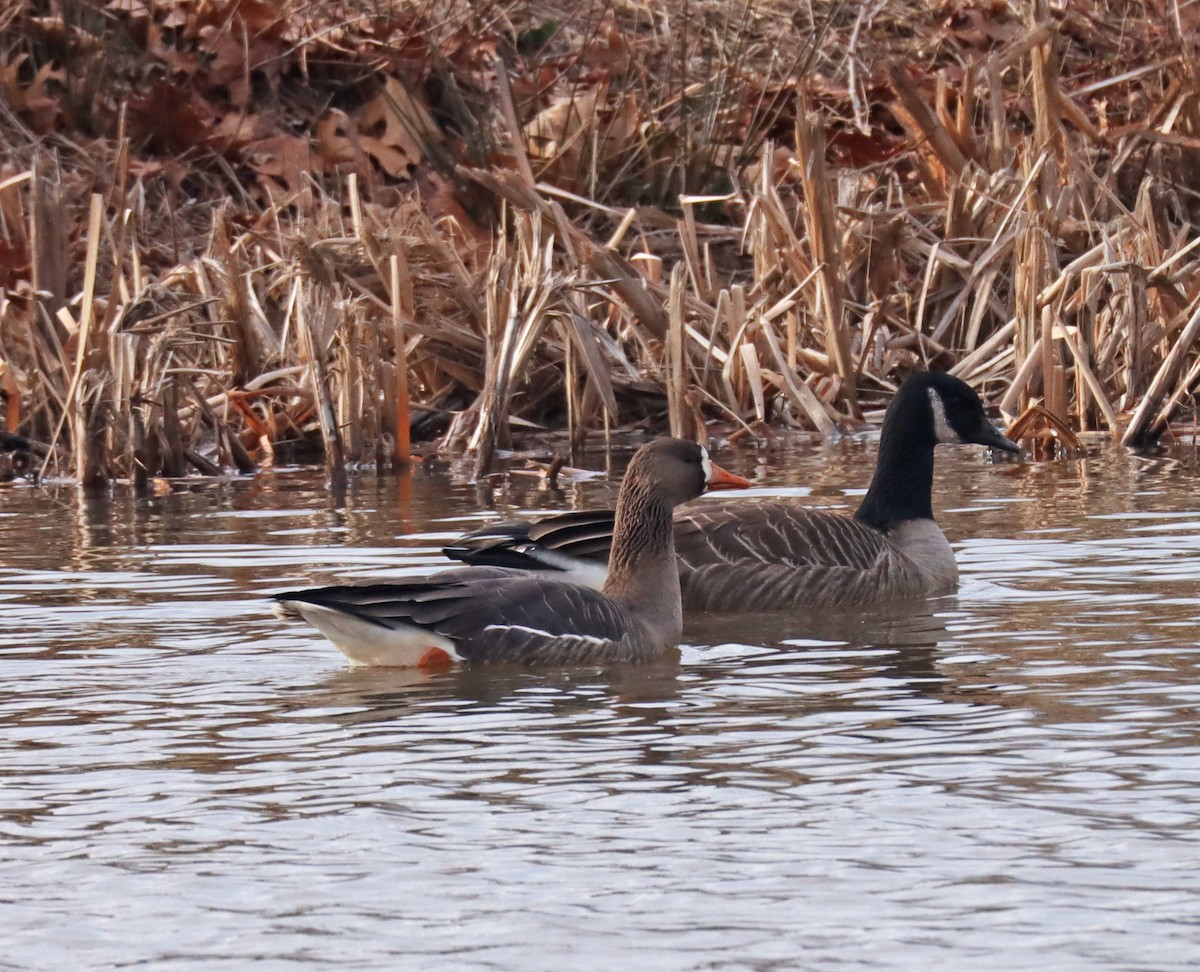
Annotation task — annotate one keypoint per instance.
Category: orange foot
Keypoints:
(436, 660)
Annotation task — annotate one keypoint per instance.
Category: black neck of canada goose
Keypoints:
(928, 408)
(902, 488)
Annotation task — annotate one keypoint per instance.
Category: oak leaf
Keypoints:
(32, 102)
(394, 129)
(283, 157)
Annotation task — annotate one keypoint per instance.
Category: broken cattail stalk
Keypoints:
(1010, 404)
(927, 124)
(402, 450)
(82, 336)
(1079, 353)
(676, 407)
(821, 220)
(1139, 430)
(335, 456)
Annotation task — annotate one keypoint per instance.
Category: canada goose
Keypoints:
(739, 555)
(486, 614)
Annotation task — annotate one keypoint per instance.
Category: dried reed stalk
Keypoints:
(634, 250)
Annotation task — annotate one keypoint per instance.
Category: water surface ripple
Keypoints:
(1003, 779)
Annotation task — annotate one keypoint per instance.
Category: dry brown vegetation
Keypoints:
(232, 227)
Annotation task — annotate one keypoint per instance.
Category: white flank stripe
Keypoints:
(546, 634)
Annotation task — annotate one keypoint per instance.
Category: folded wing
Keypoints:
(472, 613)
(734, 556)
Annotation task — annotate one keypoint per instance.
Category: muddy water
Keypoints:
(1005, 779)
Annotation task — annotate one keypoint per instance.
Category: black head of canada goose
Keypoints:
(740, 555)
(489, 614)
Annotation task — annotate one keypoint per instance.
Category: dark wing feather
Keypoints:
(497, 616)
(422, 601)
(503, 545)
(734, 556)
(586, 534)
(777, 533)
(774, 556)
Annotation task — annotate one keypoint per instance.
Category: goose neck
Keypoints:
(643, 532)
(642, 573)
(902, 487)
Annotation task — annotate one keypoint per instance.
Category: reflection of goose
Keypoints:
(481, 614)
(18, 443)
(744, 556)
(355, 695)
(16, 455)
(902, 626)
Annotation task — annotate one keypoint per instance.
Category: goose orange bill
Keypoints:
(723, 479)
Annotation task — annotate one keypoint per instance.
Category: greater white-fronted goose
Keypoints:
(488, 614)
(745, 556)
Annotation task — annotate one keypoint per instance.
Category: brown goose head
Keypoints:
(675, 471)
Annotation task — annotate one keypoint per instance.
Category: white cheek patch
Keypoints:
(705, 464)
(941, 428)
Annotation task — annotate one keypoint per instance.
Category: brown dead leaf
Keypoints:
(974, 28)
(472, 55)
(252, 19)
(14, 263)
(238, 59)
(176, 17)
(394, 128)
(333, 147)
(236, 130)
(620, 127)
(228, 61)
(608, 52)
(172, 118)
(283, 157)
(441, 202)
(173, 171)
(178, 62)
(528, 89)
(554, 133)
(850, 147)
(563, 131)
(260, 17)
(136, 9)
(779, 167)
(36, 106)
(395, 163)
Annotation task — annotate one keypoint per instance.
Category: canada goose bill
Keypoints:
(743, 555)
(491, 614)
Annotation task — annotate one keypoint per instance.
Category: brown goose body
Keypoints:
(737, 559)
(489, 615)
(745, 556)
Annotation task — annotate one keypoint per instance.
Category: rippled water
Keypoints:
(1005, 779)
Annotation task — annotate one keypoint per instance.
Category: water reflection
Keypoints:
(1001, 778)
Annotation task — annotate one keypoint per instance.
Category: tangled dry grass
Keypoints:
(233, 227)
